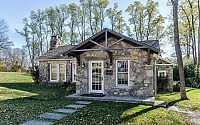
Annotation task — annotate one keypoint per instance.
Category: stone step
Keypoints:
(160, 104)
(63, 110)
(53, 116)
(37, 122)
(83, 102)
(75, 106)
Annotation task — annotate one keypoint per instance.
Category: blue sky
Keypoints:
(13, 11)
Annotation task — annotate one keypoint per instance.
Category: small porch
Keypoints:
(128, 99)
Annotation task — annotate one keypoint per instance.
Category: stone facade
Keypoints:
(143, 69)
(141, 75)
(44, 70)
(168, 86)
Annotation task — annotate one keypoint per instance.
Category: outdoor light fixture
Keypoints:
(83, 65)
(106, 65)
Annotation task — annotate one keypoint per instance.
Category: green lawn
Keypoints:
(22, 100)
(174, 98)
(14, 77)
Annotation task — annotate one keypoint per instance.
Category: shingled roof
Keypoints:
(153, 45)
(56, 53)
(63, 51)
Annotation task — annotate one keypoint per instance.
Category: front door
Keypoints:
(96, 76)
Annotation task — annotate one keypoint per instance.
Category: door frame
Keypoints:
(90, 77)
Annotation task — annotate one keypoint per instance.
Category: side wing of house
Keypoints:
(164, 77)
(54, 66)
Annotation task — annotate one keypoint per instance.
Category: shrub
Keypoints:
(71, 87)
(195, 83)
(16, 68)
(176, 86)
(175, 73)
(162, 84)
(35, 74)
(190, 73)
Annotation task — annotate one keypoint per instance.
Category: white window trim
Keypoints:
(57, 72)
(74, 64)
(117, 72)
(160, 71)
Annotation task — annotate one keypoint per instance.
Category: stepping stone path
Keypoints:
(75, 106)
(83, 102)
(35, 122)
(62, 110)
(58, 114)
(53, 116)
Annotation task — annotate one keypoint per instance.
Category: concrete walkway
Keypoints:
(193, 116)
(57, 114)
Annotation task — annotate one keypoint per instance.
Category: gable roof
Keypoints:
(153, 45)
(63, 51)
(161, 60)
(56, 53)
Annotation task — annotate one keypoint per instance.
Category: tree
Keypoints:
(111, 14)
(151, 12)
(198, 61)
(147, 21)
(4, 39)
(73, 10)
(178, 50)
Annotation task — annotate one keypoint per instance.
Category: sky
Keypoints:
(14, 11)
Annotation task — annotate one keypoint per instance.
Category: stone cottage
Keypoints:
(108, 63)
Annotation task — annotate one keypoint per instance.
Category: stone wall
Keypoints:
(141, 82)
(168, 87)
(44, 70)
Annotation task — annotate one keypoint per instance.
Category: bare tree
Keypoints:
(178, 50)
(4, 40)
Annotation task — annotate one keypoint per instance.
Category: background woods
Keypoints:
(76, 22)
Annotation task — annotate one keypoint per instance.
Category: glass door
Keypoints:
(96, 76)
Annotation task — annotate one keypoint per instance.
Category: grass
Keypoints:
(112, 113)
(22, 100)
(174, 98)
(14, 77)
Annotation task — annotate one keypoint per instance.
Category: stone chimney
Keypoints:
(55, 42)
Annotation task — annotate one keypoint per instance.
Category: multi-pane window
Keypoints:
(62, 71)
(54, 68)
(162, 74)
(74, 74)
(122, 72)
(57, 72)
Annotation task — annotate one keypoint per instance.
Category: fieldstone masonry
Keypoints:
(141, 75)
(44, 70)
(168, 87)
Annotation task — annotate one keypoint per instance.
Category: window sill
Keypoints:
(122, 87)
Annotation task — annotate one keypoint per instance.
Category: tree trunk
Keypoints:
(194, 34)
(178, 50)
(198, 62)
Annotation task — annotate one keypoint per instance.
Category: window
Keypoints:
(62, 72)
(162, 74)
(57, 72)
(53, 72)
(74, 68)
(122, 72)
